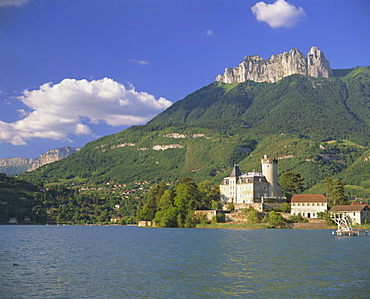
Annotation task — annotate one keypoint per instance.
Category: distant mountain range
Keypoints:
(19, 165)
(315, 123)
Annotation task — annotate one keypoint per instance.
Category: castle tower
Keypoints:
(269, 170)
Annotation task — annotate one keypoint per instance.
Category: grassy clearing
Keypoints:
(345, 142)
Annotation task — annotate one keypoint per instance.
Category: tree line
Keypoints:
(175, 207)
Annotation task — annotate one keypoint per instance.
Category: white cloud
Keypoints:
(13, 2)
(57, 111)
(209, 32)
(278, 14)
(141, 62)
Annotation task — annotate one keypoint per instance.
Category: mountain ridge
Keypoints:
(18, 165)
(278, 66)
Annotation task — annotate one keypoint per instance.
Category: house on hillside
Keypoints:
(357, 213)
(308, 205)
(242, 189)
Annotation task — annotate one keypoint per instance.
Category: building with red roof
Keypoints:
(308, 205)
(357, 213)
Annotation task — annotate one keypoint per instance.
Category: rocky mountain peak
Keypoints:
(45, 158)
(318, 65)
(278, 66)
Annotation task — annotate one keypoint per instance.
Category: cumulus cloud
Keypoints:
(13, 2)
(57, 111)
(278, 14)
(209, 32)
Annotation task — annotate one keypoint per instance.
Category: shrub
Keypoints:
(297, 218)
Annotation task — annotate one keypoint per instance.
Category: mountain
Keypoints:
(279, 66)
(317, 126)
(19, 165)
(317, 108)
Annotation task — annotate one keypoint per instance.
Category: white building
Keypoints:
(308, 205)
(13, 220)
(357, 213)
(251, 187)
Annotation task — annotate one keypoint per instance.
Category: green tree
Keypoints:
(252, 215)
(166, 199)
(151, 201)
(167, 217)
(275, 219)
(334, 189)
(285, 207)
(337, 192)
(208, 194)
(190, 220)
(327, 185)
(291, 183)
(187, 195)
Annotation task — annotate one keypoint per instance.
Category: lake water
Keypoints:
(131, 262)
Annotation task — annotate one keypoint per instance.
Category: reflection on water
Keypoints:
(131, 262)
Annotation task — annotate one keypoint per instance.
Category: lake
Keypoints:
(131, 262)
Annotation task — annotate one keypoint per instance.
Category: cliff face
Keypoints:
(256, 69)
(48, 157)
(52, 156)
(15, 161)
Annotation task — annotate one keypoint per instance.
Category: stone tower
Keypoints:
(269, 170)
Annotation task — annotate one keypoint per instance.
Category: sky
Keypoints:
(72, 71)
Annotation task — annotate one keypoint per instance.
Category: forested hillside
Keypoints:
(318, 127)
(317, 108)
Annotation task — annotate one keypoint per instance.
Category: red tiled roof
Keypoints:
(348, 208)
(309, 198)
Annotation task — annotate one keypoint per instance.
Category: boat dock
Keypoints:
(350, 233)
(345, 227)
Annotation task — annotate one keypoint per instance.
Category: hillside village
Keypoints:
(238, 193)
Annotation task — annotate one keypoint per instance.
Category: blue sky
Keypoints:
(74, 70)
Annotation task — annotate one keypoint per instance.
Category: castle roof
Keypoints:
(236, 171)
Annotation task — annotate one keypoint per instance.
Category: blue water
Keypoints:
(131, 262)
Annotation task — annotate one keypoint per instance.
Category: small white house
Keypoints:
(357, 213)
(308, 205)
(12, 220)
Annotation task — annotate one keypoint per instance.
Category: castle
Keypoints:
(251, 187)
